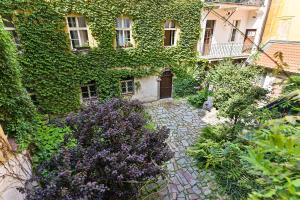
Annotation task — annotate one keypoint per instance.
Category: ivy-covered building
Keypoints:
(76, 51)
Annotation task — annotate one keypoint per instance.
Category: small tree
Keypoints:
(114, 154)
(235, 91)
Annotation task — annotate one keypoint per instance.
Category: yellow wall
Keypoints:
(283, 21)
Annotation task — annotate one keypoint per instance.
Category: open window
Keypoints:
(171, 34)
(78, 31)
(124, 32)
(89, 91)
(127, 86)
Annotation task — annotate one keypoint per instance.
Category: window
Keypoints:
(127, 86)
(283, 29)
(10, 27)
(78, 31)
(234, 31)
(170, 34)
(123, 32)
(88, 91)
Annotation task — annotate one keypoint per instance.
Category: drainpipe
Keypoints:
(265, 22)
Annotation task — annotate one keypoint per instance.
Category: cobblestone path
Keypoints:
(184, 181)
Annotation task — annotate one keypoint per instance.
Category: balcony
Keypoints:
(226, 50)
(239, 2)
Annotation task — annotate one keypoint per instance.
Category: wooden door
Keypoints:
(248, 40)
(166, 85)
(209, 31)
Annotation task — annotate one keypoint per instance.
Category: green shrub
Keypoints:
(43, 142)
(275, 157)
(292, 84)
(185, 86)
(219, 149)
(198, 99)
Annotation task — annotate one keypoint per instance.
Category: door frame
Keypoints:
(160, 80)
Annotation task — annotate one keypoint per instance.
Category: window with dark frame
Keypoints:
(89, 91)
(127, 86)
(10, 27)
(234, 31)
(170, 34)
(78, 31)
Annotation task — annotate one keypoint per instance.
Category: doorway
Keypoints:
(209, 31)
(166, 84)
(248, 41)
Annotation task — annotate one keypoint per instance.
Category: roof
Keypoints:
(291, 55)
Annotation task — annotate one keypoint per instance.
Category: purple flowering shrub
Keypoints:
(113, 156)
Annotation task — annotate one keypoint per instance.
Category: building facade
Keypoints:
(230, 27)
(76, 52)
(281, 34)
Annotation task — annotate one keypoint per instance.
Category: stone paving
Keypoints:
(184, 180)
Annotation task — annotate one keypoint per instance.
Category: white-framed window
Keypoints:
(171, 32)
(124, 32)
(127, 86)
(78, 31)
(10, 27)
(89, 91)
(234, 31)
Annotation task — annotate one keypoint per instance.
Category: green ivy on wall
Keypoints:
(16, 109)
(55, 73)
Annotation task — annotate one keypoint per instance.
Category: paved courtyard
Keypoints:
(184, 180)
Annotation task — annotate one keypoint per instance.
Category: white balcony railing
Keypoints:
(223, 50)
(241, 2)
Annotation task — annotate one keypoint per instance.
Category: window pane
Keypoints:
(81, 22)
(120, 38)
(84, 38)
(127, 36)
(130, 86)
(75, 43)
(167, 24)
(172, 24)
(127, 23)
(74, 35)
(93, 90)
(7, 21)
(167, 40)
(84, 92)
(71, 22)
(233, 35)
(119, 23)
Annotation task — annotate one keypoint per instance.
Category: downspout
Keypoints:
(265, 21)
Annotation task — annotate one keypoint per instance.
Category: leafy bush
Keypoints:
(114, 154)
(185, 86)
(43, 142)
(219, 149)
(198, 99)
(275, 157)
(234, 89)
(292, 84)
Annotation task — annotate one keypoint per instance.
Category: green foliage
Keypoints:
(185, 86)
(55, 73)
(16, 109)
(292, 84)
(219, 149)
(198, 99)
(275, 157)
(43, 142)
(234, 89)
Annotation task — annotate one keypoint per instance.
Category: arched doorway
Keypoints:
(166, 84)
